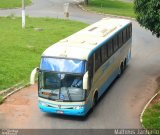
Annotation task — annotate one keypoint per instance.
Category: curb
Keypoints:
(2, 92)
(16, 90)
(110, 15)
(145, 107)
(12, 91)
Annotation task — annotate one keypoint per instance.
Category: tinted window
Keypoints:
(90, 66)
(90, 70)
(110, 48)
(115, 43)
(128, 34)
(104, 53)
(120, 39)
(97, 59)
(124, 35)
(130, 30)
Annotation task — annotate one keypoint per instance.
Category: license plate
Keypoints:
(60, 112)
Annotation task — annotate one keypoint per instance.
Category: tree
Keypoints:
(86, 2)
(148, 14)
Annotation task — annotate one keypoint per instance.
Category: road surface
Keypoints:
(121, 105)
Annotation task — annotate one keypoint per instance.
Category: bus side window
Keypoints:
(129, 31)
(104, 53)
(115, 43)
(90, 71)
(130, 28)
(90, 66)
(120, 39)
(127, 36)
(110, 48)
(124, 35)
(97, 59)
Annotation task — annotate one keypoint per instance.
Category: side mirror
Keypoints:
(37, 69)
(33, 74)
(85, 81)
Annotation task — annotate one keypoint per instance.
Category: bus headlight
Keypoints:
(42, 103)
(77, 107)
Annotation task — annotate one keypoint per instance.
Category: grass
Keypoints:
(13, 3)
(21, 49)
(114, 7)
(151, 117)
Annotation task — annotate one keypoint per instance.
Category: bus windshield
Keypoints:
(61, 79)
(63, 65)
(61, 87)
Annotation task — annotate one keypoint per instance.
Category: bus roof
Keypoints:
(80, 44)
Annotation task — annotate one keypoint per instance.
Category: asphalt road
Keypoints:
(121, 105)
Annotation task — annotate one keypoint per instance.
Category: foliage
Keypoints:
(148, 14)
(86, 2)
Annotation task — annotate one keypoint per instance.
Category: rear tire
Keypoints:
(121, 70)
(125, 64)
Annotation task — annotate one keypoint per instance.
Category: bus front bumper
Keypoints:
(76, 112)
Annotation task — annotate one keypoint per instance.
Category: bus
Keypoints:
(76, 71)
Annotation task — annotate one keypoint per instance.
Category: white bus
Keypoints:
(76, 71)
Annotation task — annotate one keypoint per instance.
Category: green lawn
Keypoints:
(13, 3)
(151, 117)
(21, 49)
(114, 7)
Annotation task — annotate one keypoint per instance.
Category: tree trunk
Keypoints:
(86, 2)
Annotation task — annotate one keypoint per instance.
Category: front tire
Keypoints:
(95, 99)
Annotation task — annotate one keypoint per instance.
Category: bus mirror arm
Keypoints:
(85, 81)
(33, 74)
(37, 69)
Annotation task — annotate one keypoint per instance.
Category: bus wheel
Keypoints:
(95, 99)
(125, 63)
(121, 70)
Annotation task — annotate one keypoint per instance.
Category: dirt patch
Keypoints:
(17, 107)
(21, 101)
